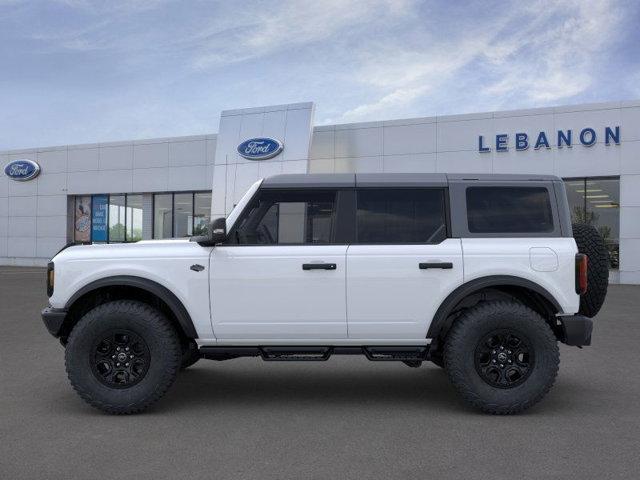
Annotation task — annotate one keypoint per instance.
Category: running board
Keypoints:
(318, 354)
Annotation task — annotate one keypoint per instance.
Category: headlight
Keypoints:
(50, 279)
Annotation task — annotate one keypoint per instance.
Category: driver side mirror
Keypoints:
(216, 233)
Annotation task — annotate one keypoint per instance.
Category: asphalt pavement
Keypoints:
(346, 418)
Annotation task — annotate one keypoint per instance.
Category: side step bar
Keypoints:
(318, 354)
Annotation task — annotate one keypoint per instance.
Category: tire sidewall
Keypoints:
(460, 355)
(143, 321)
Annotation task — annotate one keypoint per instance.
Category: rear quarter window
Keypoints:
(509, 210)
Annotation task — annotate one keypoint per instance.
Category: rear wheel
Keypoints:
(502, 357)
(122, 356)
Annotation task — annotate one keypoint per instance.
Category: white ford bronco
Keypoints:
(480, 274)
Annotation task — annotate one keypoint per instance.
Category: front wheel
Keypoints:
(502, 357)
(122, 356)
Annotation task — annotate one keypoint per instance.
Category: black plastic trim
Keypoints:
(443, 265)
(283, 353)
(174, 304)
(319, 266)
(53, 319)
(460, 293)
(576, 330)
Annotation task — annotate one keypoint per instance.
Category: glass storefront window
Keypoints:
(117, 218)
(82, 219)
(182, 214)
(134, 218)
(105, 218)
(596, 202)
(162, 215)
(201, 212)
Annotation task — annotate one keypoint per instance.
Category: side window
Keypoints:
(509, 210)
(282, 217)
(401, 216)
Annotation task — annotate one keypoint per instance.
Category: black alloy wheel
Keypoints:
(504, 358)
(120, 359)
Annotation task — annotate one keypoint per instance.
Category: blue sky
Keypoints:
(76, 71)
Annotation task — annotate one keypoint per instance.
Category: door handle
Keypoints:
(319, 266)
(443, 265)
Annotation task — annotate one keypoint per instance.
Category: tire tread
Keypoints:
(458, 377)
(164, 329)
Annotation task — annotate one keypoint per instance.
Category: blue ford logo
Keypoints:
(260, 148)
(22, 170)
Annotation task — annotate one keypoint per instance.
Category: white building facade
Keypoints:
(160, 188)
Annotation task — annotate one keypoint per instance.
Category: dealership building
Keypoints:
(171, 187)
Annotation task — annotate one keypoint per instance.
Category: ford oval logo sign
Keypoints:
(22, 170)
(260, 148)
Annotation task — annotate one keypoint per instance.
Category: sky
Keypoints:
(78, 71)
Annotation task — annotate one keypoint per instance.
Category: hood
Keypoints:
(141, 249)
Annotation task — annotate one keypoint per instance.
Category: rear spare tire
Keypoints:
(591, 243)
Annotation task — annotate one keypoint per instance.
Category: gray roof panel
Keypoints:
(350, 180)
(401, 180)
(310, 180)
(500, 177)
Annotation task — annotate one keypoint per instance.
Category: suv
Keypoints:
(480, 274)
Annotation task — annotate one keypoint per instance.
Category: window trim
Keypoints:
(445, 206)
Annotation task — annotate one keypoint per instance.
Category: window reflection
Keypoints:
(117, 218)
(134, 218)
(181, 214)
(201, 212)
(596, 202)
(162, 215)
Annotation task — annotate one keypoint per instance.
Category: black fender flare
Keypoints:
(160, 291)
(477, 284)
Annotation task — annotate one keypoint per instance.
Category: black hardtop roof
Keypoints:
(345, 180)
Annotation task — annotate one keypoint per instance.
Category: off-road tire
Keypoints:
(460, 356)
(437, 359)
(149, 324)
(591, 243)
(190, 355)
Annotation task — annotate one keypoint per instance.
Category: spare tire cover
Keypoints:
(591, 243)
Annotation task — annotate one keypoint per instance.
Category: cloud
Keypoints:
(555, 63)
(126, 69)
(542, 52)
(290, 23)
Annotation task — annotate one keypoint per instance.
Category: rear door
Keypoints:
(281, 275)
(402, 264)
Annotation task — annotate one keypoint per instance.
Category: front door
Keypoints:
(281, 275)
(402, 265)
